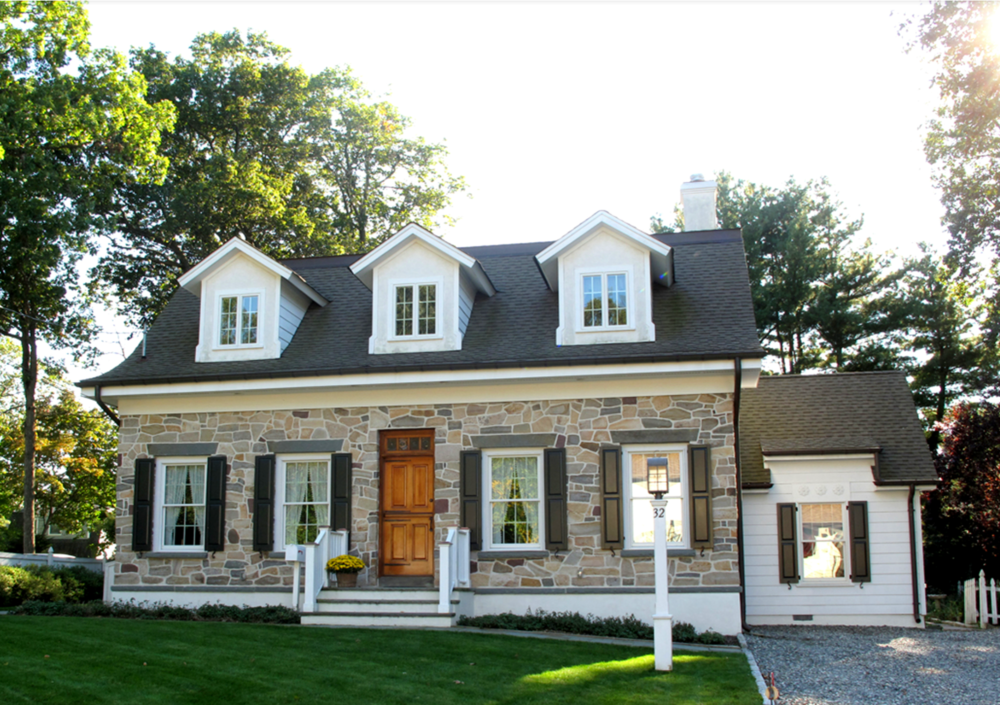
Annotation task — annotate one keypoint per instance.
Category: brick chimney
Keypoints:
(698, 199)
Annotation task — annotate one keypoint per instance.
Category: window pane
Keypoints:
(515, 506)
(428, 309)
(227, 321)
(642, 510)
(248, 324)
(404, 310)
(307, 500)
(617, 300)
(183, 505)
(592, 297)
(823, 540)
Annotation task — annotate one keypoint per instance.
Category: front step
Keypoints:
(409, 620)
(374, 607)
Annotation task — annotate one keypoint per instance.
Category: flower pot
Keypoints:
(346, 580)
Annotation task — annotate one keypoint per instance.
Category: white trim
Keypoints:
(239, 295)
(682, 450)
(488, 455)
(845, 559)
(159, 492)
(279, 489)
(192, 279)
(394, 284)
(604, 273)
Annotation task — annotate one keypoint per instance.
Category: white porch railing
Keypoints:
(327, 545)
(986, 612)
(453, 555)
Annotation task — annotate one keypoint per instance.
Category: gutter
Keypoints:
(105, 408)
(741, 567)
(913, 554)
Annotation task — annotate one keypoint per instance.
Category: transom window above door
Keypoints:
(605, 300)
(239, 320)
(416, 311)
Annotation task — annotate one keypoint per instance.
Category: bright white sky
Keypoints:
(553, 111)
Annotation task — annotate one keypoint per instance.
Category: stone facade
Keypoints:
(582, 426)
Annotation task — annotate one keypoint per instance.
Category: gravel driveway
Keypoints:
(879, 665)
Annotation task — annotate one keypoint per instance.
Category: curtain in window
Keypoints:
(514, 489)
(307, 500)
(184, 505)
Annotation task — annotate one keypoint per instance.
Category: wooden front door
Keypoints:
(407, 512)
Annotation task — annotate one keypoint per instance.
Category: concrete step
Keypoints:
(378, 606)
(377, 594)
(411, 620)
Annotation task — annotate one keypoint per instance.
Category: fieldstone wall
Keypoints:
(582, 427)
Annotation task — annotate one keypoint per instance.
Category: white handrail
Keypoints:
(464, 559)
(448, 559)
(316, 557)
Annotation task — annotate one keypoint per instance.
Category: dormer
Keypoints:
(251, 305)
(423, 290)
(604, 270)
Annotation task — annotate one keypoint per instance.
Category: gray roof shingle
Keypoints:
(834, 413)
(707, 313)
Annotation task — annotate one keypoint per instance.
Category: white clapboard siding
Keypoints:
(466, 297)
(888, 595)
(293, 308)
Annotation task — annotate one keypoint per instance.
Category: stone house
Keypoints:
(517, 391)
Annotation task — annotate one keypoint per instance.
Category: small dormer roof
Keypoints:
(192, 279)
(364, 268)
(660, 253)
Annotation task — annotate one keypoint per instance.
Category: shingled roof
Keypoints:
(864, 412)
(706, 314)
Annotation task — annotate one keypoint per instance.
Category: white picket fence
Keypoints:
(981, 601)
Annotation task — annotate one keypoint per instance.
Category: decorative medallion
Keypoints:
(821, 490)
(803, 490)
(838, 490)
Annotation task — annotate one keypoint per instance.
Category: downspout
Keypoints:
(737, 385)
(913, 555)
(105, 408)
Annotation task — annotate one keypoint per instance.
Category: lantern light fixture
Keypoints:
(657, 477)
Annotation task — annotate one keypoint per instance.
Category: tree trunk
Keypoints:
(29, 379)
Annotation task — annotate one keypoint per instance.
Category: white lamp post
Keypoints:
(658, 484)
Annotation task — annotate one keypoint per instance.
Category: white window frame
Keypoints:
(280, 476)
(239, 295)
(159, 495)
(604, 273)
(627, 452)
(488, 456)
(414, 285)
(800, 548)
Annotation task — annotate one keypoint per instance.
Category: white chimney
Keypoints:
(698, 199)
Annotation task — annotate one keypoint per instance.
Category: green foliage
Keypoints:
(18, 585)
(299, 165)
(130, 610)
(711, 638)
(684, 632)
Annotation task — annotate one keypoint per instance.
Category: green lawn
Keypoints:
(79, 660)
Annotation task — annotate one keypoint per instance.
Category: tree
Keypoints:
(298, 165)
(819, 300)
(962, 517)
(73, 123)
(963, 140)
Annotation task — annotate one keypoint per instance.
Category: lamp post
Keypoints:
(658, 484)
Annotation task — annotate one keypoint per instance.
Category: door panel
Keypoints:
(407, 517)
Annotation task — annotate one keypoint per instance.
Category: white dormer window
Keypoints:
(239, 320)
(605, 311)
(416, 311)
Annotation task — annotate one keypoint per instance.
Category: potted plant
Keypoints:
(346, 568)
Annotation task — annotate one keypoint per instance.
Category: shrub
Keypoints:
(684, 633)
(574, 623)
(18, 585)
(91, 582)
(159, 610)
(711, 637)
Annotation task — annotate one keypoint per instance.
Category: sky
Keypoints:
(554, 110)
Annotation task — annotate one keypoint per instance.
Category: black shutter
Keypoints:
(861, 568)
(263, 503)
(556, 518)
(215, 504)
(142, 505)
(470, 496)
(788, 564)
(340, 494)
(701, 496)
(611, 498)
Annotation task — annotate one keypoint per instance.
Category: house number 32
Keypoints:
(659, 512)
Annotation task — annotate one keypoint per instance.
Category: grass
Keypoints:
(80, 660)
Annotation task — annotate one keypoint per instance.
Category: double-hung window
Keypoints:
(239, 320)
(639, 511)
(823, 549)
(605, 300)
(181, 494)
(416, 310)
(514, 508)
(304, 499)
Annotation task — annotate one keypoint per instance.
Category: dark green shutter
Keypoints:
(215, 504)
(340, 493)
(556, 516)
(788, 564)
(470, 493)
(701, 496)
(142, 505)
(263, 503)
(861, 569)
(611, 498)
